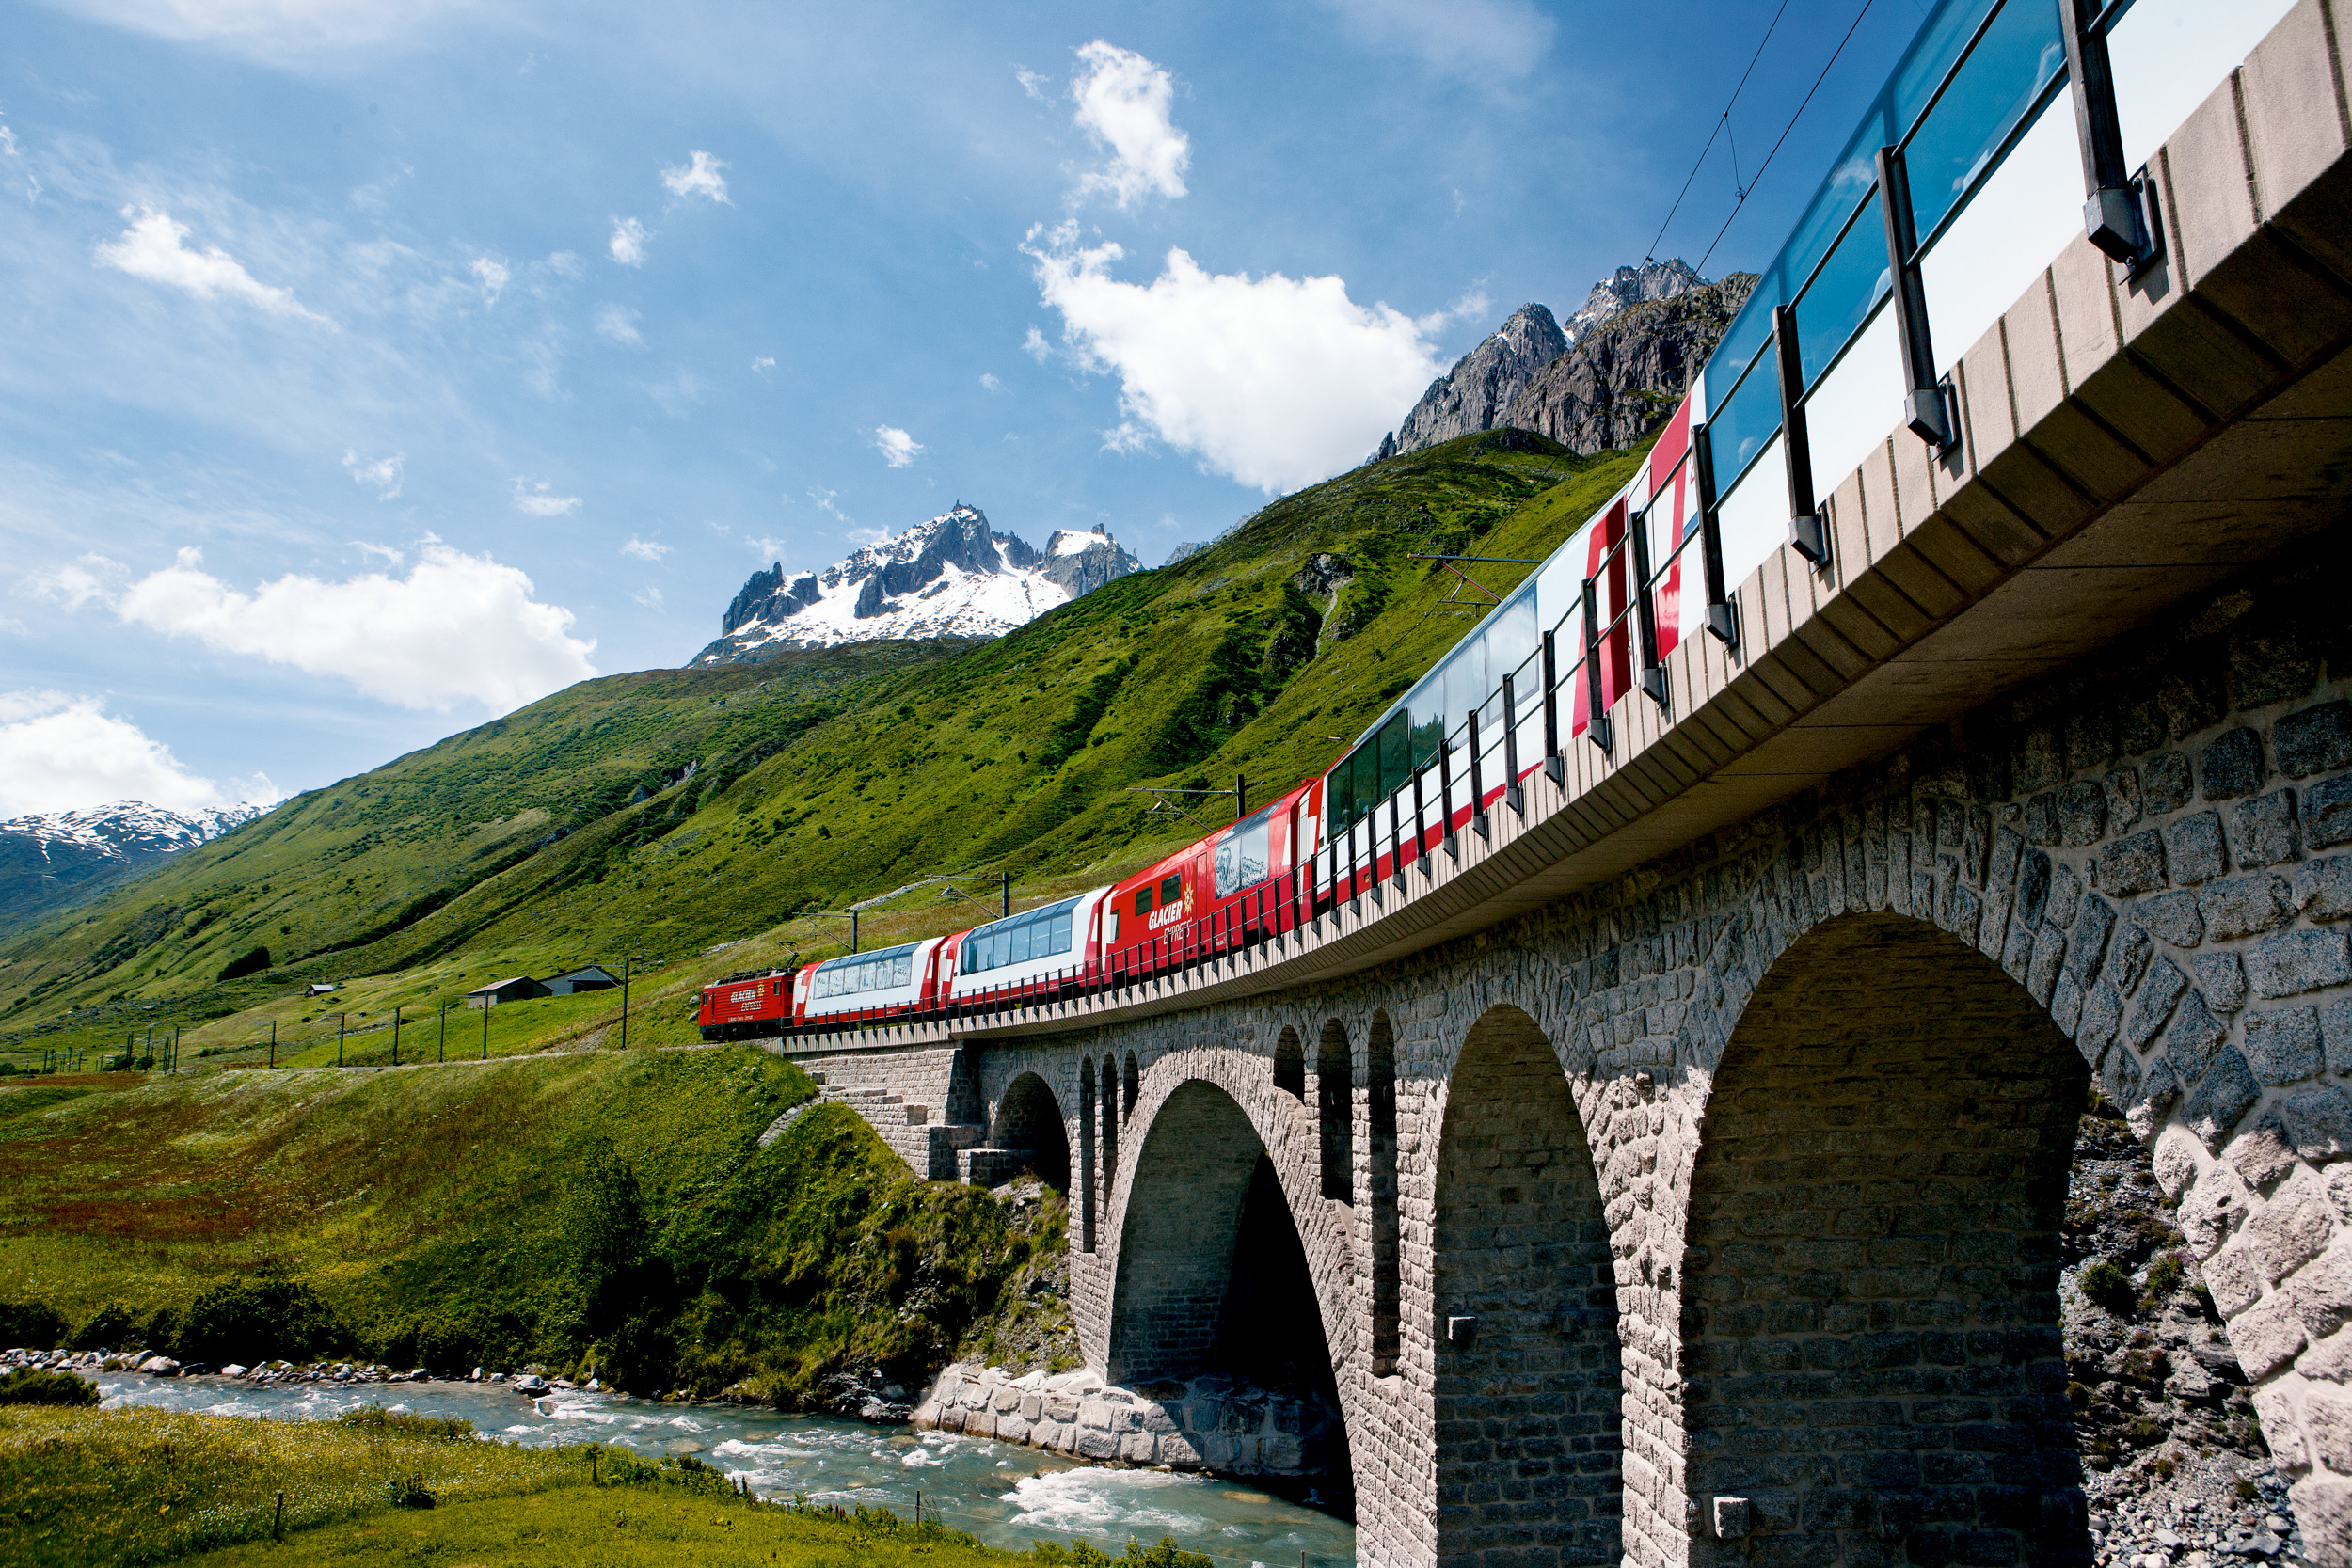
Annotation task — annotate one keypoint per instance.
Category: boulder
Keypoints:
(160, 1366)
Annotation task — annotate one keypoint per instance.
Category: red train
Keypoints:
(1495, 709)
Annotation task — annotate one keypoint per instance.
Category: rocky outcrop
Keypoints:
(2174, 1452)
(1627, 371)
(1467, 397)
(1213, 1422)
(953, 575)
(1491, 385)
(1626, 288)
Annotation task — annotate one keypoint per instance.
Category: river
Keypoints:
(1005, 1494)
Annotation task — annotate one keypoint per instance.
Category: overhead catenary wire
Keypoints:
(1723, 123)
(1742, 200)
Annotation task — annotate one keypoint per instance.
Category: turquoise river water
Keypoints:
(1005, 1494)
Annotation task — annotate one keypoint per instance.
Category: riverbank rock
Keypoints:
(2175, 1470)
(160, 1366)
(1216, 1423)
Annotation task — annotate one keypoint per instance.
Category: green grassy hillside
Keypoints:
(598, 1211)
(697, 816)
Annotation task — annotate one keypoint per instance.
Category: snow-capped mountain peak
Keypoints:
(952, 575)
(127, 828)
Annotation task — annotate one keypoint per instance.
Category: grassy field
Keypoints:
(114, 1488)
(699, 817)
(599, 1211)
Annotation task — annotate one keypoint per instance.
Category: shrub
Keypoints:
(111, 1328)
(2107, 1284)
(252, 963)
(2164, 1276)
(31, 1325)
(409, 1492)
(253, 1320)
(405, 1423)
(37, 1386)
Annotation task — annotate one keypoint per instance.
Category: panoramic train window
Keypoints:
(1171, 890)
(1037, 933)
(1241, 856)
(1143, 899)
(862, 971)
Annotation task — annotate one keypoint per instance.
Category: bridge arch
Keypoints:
(1335, 1112)
(1869, 1316)
(1290, 1064)
(1028, 1120)
(1222, 1167)
(1525, 1318)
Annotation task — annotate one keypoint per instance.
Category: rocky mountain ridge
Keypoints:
(1603, 378)
(48, 858)
(952, 575)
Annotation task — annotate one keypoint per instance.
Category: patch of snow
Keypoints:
(128, 826)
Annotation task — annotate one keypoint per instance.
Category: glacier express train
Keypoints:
(1639, 577)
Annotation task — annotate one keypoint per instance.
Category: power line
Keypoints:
(1723, 123)
(1742, 202)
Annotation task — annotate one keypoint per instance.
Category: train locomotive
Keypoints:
(1553, 654)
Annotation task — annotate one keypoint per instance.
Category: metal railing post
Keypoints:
(1513, 796)
(1445, 793)
(2119, 214)
(1722, 623)
(1805, 533)
(1646, 612)
(1554, 764)
(1596, 708)
(1927, 407)
(1421, 831)
(1478, 780)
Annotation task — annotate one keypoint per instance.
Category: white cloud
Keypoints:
(644, 549)
(566, 263)
(650, 598)
(1123, 103)
(766, 548)
(534, 501)
(1477, 39)
(1033, 83)
(269, 28)
(1271, 381)
(493, 277)
(618, 323)
(824, 500)
(383, 474)
(990, 383)
(898, 448)
(7, 142)
(458, 629)
(628, 242)
(150, 249)
(700, 176)
(1036, 347)
(678, 394)
(75, 584)
(59, 752)
(390, 555)
(765, 363)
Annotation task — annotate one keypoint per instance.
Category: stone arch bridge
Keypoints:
(1677, 1170)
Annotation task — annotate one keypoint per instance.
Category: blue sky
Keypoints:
(372, 368)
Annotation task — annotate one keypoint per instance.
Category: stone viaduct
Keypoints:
(1679, 1171)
